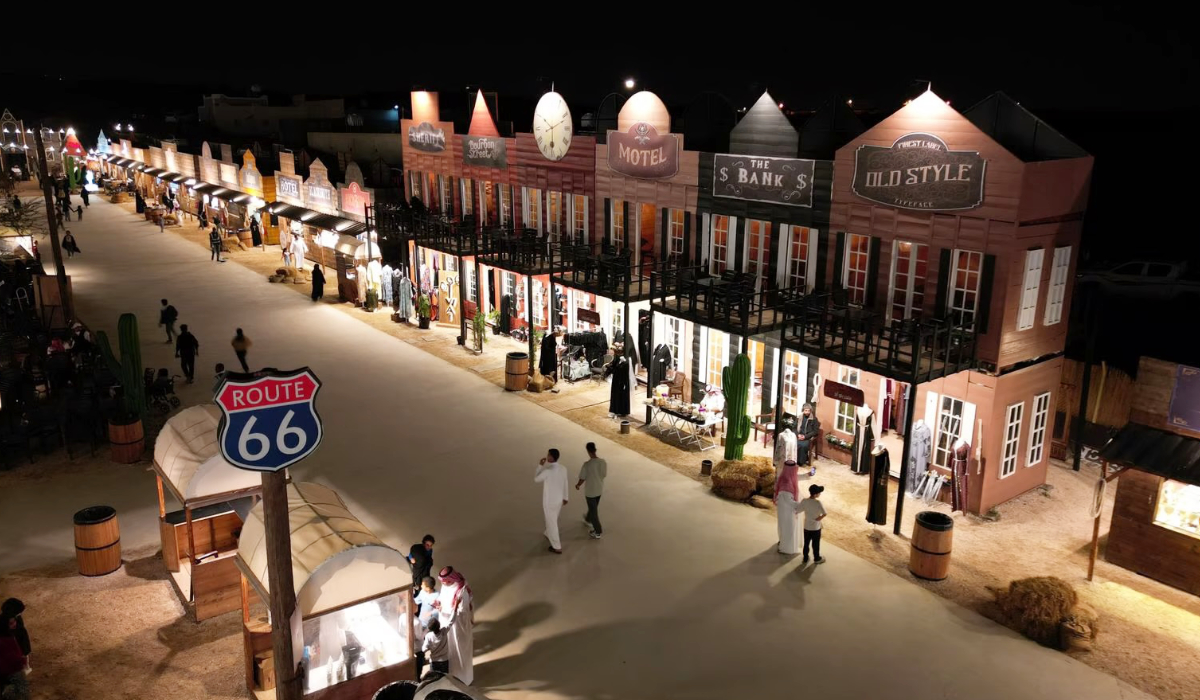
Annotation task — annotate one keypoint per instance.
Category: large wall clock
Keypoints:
(552, 126)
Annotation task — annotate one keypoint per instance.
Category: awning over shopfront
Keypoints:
(316, 219)
(156, 172)
(121, 161)
(187, 456)
(1155, 451)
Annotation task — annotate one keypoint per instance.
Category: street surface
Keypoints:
(685, 597)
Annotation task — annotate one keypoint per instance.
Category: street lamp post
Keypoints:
(48, 196)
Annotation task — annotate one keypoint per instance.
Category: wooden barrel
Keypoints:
(97, 541)
(126, 442)
(516, 370)
(246, 237)
(929, 557)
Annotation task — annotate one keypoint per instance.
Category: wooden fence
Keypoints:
(1109, 400)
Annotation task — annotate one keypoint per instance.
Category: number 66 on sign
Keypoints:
(269, 420)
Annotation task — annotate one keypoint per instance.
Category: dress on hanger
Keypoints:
(959, 482)
(881, 466)
(919, 445)
(618, 398)
(864, 440)
(785, 448)
(405, 307)
(385, 286)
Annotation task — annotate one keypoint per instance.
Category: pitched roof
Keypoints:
(1019, 131)
(482, 123)
(765, 131)
(1155, 451)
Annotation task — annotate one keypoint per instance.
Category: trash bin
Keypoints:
(516, 371)
(97, 541)
(929, 556)
(706, 467)
(400, 690)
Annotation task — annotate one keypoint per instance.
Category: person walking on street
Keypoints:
(241, 344)
(318, 283)
(58, 218)
(187, 348)
(69, 245)
(162, 221)
(215, 244)
(814, 513)
(553, 478)
(83, 193)
(420, 557)
(591, 477)
(167, 316)
(79, 212)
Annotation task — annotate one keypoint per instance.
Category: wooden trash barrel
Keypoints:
(97, 541)
(516, 371)
(933, 535)
(126, 442)
(246, 237)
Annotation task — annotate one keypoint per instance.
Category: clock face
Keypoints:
(552, 126)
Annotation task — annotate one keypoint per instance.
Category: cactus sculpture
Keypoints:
(129, 369)
(735, 382)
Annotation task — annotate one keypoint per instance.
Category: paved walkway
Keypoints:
(685, 597)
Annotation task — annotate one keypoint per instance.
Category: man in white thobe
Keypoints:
(457, 616)
(553, 477)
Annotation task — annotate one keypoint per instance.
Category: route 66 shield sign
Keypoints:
(269, 419)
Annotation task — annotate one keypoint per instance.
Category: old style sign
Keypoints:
(269, 419)
(844, 393)
(760, 179)
(426, 137)
(644, 153)
(486, 151)
(919, 171)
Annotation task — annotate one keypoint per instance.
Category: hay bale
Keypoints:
(274, 278)
(1078, 629)
(736, 480)
(1035, 607)
(281, 271)
(761, 502)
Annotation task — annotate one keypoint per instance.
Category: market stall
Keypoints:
(354, 631)
(200, 539)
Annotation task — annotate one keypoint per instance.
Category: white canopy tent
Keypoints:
(188, 459)
(336, 560)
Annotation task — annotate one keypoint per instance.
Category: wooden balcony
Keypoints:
(463, 238)
(594, 269)
(727, 302)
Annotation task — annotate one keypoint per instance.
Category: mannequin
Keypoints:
(880, 474)
(958, 480)
(785, 448)
(919, 445)
(619, 372)
(385, 286)
(886, 418)
(375, 277)
(864, 440)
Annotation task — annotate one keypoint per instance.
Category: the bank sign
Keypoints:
(776, 180)
(919, 171)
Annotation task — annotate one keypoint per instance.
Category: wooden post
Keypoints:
(187, 514)
(1090, 320)
(909, 411)
(245, 599)
(1096, 525)
(162, 503)
(529, 321)
(462, 304)
(279, 575)
(52, 222)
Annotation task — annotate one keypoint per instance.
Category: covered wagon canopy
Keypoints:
(188, 459)
(336, 560)
(1155, 451)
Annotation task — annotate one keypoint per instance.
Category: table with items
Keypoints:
(689, 423)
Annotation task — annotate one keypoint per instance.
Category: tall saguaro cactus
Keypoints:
(735, 382)
(128, 369)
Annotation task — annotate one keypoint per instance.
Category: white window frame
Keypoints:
(675, 233)
(1038, 432)
(618, 319)
(759, 265)
(793, 388)
(484, 205)
(1030, 287)
(961, 312)
(553, 212)
(714, 247)
(855, 294)
(531, 207)
(912, 305)
(1058, 286)
(617, 220)
(794, 269)
(506, 194)
(950, 414)
(844, 413)
(672, 337)
(466, 187)
(713, 376)
(472, 287)
(447, 193)
(1012, 439)
(509, 284)
(577, 217)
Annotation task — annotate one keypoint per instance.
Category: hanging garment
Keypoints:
(548, 355)
(901, 407)
(375, 277)
(643, 338)
(887, 420)
(659, 364)
(618, 398)
(506, 313)
(919, 445)
(785, 449)
(881, 466)
(864, 440)
(958, 482)
(397, 277)
(385, 285)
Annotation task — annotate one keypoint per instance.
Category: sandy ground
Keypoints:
(1150, 636)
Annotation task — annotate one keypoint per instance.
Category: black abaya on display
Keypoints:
(548, 355)
(881, 466)
(618, 399)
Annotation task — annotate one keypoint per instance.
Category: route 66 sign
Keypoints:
(269, 419)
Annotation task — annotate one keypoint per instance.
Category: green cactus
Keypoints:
(735, 383)
(128, 369)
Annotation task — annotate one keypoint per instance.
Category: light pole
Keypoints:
(48, 196)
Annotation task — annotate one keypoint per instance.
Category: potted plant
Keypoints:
(125, 434)
(371, 301)
(493, 317)
(479, 327)
(424, 310)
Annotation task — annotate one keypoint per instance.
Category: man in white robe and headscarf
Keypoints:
(787, 506)
(456, 613)
(553, 478)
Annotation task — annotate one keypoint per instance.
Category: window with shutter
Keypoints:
(618, 224)
(720, 243)
(1029, 289)
(910, 267)
(1012, 439)
(964, 287)
(1058, 285)
(855, 269)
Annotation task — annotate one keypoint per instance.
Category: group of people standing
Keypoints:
(443, 626)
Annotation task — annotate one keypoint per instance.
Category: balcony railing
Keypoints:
(525, 251)
(596, 269)
(727, 302)
(915, 350)
(453, 237)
